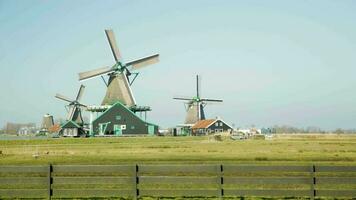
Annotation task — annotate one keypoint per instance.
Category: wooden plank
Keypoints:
(27, 193)
(23, 180)
(177, 180)
(135, 182)
(49, 181)
(177, 168)
(22, 169)
(312, 182)
(335, 168)
(93, 168)
(267, 193)
(336, 180)
(220, 179)
(336, 193)
(92, 180)
(255, 168)
(91, 193)
(266, 180)
(180, 192)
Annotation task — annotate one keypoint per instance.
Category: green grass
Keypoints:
(300, 149)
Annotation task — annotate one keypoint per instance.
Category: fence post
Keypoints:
(220, 172)
(135, 182)
(50, 180)
(312, 182)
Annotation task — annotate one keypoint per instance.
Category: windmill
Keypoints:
(195, 106)
(74, 113)
(120, 75)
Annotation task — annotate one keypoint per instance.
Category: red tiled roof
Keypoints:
(54, 129)
(203, 123)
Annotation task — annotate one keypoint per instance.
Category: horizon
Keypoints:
(273, 63)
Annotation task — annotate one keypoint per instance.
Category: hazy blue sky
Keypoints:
(273, 62)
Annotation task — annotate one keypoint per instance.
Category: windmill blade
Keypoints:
(212, 100)
(198, 86)
(64, 98)
(143, 62)
(80, 93)
(94, 73)
(115, 50)
(71, 113)
(82, 105)
(183, 98)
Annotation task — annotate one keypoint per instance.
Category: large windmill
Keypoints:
(75, 107)
(120, 75)
(195, 106)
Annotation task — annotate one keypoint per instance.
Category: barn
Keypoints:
(209, 126)
(118, 120)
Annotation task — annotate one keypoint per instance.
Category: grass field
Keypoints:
(300, 149)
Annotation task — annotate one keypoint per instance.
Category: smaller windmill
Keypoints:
(75, 107)
(195, 105)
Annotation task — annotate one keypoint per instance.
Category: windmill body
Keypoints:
(195, 112)
(118, 89)
(195, 106)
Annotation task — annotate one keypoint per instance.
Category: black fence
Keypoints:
(134, 181)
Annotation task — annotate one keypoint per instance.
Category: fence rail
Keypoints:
(60, 181)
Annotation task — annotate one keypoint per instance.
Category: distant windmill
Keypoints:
(75, 113)
(195, 105)
(119, 83)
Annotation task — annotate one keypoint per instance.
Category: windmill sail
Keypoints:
(212, 100)
(94, 73)
(62, 97)
(80, 93)
(143, 62)
(115, 50)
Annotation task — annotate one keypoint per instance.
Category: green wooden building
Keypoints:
(118, 120)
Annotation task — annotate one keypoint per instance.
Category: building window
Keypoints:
(216, 123)
(118, 117)
(221, 124)
(132, 127)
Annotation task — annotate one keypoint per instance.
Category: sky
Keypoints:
(273, 62)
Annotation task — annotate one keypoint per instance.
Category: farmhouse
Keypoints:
(71, 129)
(119, 120)
(207, 126)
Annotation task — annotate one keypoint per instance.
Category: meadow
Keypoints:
(286, 149)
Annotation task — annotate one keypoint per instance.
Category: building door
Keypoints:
(102, 128)
(117, 130)
(151, 130)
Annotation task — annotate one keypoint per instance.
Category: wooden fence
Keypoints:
(134, 181)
